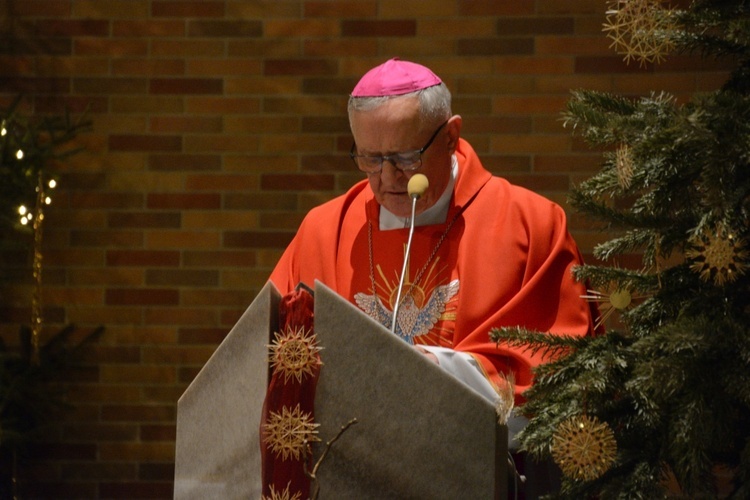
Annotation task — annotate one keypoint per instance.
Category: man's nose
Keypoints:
(390, 171)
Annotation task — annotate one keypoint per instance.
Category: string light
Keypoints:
(19, 154)
(25, 215)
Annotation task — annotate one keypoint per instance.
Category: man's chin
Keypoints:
(399, 208)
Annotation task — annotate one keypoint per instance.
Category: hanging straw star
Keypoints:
(294, 353)
(624, 166)
(285, 494)
(719, 256)
(618, 300)
(289, 432)
(506, 392)
(640, 29)
(584, 448)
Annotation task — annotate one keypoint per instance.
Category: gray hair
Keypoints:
(434, 103)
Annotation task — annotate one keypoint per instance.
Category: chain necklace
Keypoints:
(424, 267)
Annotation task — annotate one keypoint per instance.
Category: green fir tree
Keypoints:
(671, 380)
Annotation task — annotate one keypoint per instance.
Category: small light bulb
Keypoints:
(24, 220)
(4, 132)
(52, 183)
(19, 154)
(22, 210)
(47, 200)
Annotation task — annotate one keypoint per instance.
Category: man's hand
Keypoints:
(427, 354)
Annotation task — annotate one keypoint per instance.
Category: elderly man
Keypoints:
(484, 253)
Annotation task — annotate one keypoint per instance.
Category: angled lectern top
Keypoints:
(420, 433)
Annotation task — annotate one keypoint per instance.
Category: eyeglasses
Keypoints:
(406, 162)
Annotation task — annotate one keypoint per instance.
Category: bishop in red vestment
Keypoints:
(484, 254)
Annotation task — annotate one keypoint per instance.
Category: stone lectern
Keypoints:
(420, 433)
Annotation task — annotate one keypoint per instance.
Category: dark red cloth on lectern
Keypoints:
(295, 311)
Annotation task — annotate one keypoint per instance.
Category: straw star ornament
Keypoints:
(584, 448)
(640, 29)
(288, 433)
(718, 256)
(294, 353)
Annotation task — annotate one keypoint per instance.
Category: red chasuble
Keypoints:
(505, 261)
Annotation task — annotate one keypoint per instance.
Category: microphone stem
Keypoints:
(397, 305)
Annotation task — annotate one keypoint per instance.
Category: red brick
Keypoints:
(200, 239)
(110, 47)
(158, 432)
(606, 65)
(284, 182)
(192, 162)
(35, 85)
(495, 8)
(223, 258)
(495, 46)
(100, 432)
(145, 220)
(181, 315)
(379, 28)
(155, 258)
(69, 27)
(148, 67)
(225, 29)
(145, 143)
(187, 48)
(136, 489)
(340, 9)
(156, 472)
(223, 183)
(348, 47)
(147, 28)
(257, 239)
(110, 85)
(141, 296)
(546, 182)
(93, 200)
(186, 86)
(182, 277)
(183, 201)
(211, 336)
(108, 471)
(97, 238)
(326, 163)
(163, 124)
(509, 26)
(38, 8)
(63, 489)
(187, 8)
(299, 67)
(66, 451)
(137, 413)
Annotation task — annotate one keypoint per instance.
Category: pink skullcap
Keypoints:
(395, 77)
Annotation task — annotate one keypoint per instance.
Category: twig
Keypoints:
(315, 487)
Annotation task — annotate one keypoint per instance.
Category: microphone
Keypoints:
(416, 187)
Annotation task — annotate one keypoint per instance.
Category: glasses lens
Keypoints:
(368, 163)
(408, 161)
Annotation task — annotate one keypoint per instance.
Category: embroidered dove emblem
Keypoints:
(412, 321)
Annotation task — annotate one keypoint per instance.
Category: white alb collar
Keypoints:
(436, 214)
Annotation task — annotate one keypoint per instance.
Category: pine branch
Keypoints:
(535, 342)
(629, 279)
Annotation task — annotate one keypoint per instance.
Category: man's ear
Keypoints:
(453, 127)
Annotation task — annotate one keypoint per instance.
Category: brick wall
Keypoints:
(216, 125)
